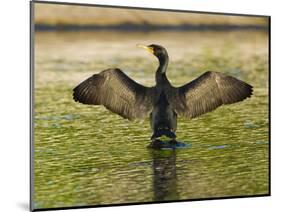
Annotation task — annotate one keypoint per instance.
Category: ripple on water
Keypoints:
(86, 155)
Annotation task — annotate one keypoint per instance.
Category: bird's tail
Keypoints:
(160, 132)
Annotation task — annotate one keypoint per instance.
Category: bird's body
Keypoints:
(163, 118)
(162, 102)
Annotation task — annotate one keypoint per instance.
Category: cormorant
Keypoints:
(163, 102)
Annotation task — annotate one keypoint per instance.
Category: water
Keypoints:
(86, 155)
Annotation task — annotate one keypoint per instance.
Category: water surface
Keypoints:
(86, 155)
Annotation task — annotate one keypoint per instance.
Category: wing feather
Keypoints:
(209, 91)
(117, 92)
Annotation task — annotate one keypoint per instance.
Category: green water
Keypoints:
(86, 155)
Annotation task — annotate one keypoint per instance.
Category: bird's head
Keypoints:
(157, 50)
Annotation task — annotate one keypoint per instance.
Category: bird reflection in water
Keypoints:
(164, 175)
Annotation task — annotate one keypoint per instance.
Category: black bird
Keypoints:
(122, 95)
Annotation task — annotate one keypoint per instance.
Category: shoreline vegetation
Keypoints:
(146, 27)
(50, 17)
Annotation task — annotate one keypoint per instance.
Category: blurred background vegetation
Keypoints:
(63, 15)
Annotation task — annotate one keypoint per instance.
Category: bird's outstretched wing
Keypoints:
(117, 92)
(209, 91)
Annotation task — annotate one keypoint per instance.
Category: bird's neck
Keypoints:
(161, 71)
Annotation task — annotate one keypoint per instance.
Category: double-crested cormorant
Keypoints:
(122, 95)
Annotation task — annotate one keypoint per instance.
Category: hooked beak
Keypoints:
(149, 49)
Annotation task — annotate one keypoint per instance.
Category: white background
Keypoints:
(14, 107)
